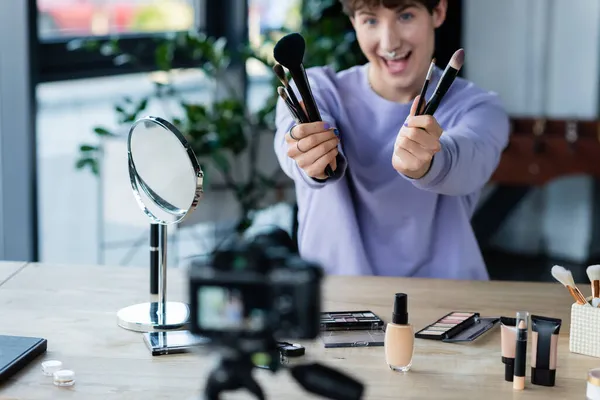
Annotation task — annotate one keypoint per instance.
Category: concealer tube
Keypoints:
(521, 350)
(508, 338)
(544, 346)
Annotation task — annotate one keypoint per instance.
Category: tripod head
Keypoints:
(234, 372)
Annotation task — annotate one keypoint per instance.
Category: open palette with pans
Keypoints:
(458, 327)
(350, 320)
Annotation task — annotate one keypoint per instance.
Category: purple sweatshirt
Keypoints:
(371, 220)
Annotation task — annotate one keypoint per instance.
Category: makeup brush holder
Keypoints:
(584, 335)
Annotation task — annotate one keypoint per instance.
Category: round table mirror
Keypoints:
(166, 180)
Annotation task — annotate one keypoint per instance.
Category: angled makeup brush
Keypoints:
(593, 273)
(280, 72)
(565, 277)
(425, 86)
(289, 52)
(450, 73)
(300, 118)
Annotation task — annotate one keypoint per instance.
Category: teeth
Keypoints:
(397, 57)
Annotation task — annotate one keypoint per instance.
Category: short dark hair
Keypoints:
(351, 6)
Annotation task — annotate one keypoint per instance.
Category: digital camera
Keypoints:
(256, 289)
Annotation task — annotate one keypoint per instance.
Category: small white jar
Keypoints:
(50, 367)
(593, 384)
(64, 377)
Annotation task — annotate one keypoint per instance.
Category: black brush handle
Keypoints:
(422, 98)
(440, 91)
(301, 118)
(299, 76)
(298, 114)
(296, 103)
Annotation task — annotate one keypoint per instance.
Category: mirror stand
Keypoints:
(158, 315)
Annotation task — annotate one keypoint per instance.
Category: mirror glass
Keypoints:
(164, 172)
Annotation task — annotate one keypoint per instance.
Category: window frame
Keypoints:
(57, 63)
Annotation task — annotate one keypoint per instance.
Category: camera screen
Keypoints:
(231, 308)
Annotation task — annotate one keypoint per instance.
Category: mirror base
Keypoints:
(144, 317)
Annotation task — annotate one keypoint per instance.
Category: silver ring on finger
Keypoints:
(298, 147)
(291, 135)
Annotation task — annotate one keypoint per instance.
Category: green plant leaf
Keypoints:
(103, 131)
(88, 162)
(164, 56)
(142, 105)
(87, 148)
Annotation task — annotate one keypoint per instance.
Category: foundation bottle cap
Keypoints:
(400, 316)
(509, 369)
(543, 377)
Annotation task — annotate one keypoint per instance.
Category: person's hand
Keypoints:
(313, 146)
(416, 144)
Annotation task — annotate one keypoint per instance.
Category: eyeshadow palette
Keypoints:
(458, 327)
(350, 320)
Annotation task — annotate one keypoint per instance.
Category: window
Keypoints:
(134, 22)
(266, 19)
(59, 19)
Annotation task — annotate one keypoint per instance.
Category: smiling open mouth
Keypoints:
(397, 64)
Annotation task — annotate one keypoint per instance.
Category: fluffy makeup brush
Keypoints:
(280, 72)
(448, 76)
(593, 273)
(289, 52)
(565, 277)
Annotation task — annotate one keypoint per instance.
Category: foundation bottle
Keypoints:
(399, 337)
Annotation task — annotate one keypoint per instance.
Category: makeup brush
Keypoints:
(280, 72)
(565, 277)
(425, 86)
(448, 76)
(593, 273)
(289, 52)
(293, 110)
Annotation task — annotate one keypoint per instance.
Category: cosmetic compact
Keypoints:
(458, 326)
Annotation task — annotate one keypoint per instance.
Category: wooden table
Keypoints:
(75, 307)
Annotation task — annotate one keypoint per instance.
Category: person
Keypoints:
(404, 187)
